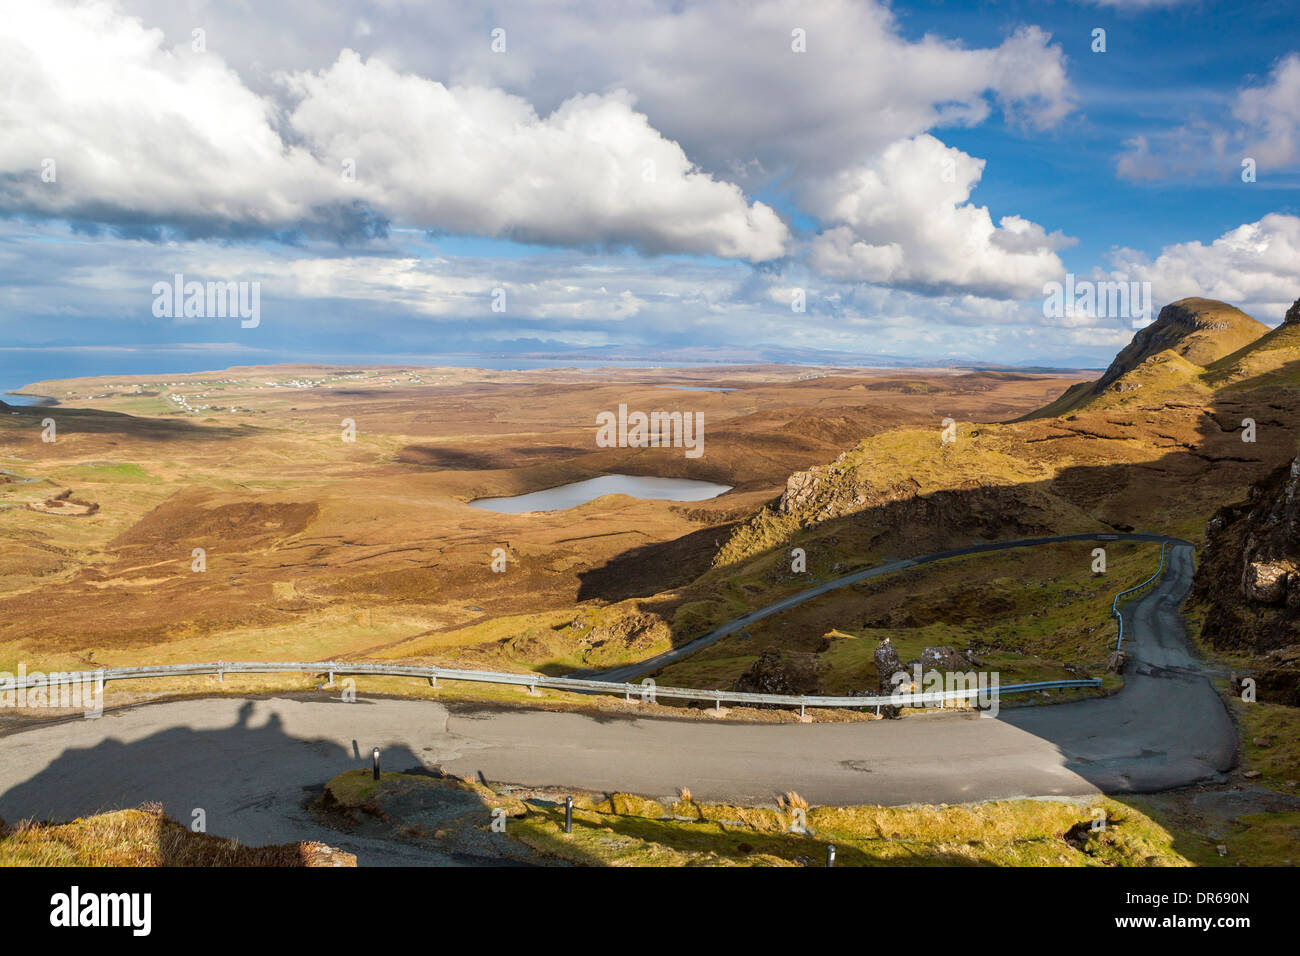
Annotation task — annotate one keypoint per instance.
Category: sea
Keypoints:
(20, 367)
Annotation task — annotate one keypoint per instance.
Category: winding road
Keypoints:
(631, 672)
(251, 763)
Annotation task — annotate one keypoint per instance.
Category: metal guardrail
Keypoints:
(645, 690)
(1114, 605)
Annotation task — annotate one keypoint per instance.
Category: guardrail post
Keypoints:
(568, 814)
(717, 704)
(801, 713)
(221, 673)
(374, 756)
(830, 854)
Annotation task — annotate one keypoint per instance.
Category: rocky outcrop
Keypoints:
(776, 672)
(830, 491)
(1293, 314)
(633, 631)
(888, 664)
(1249, 579)
(944, 658)
(1265, 581)
(1253, 547)
(897, 512)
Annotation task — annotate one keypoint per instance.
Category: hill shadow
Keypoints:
(246, 781)
(1098, 478)
(90, 421)
(1204, 465)
(663, 565)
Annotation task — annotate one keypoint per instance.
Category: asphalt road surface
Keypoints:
(251, 763)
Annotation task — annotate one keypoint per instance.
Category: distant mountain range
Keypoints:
(768, 355)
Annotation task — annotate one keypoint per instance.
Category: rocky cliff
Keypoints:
(1249, 572)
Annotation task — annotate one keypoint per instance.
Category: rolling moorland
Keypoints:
(322, 548)
(317, 547)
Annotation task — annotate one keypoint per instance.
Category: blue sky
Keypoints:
(1162, 67)
(665, 175)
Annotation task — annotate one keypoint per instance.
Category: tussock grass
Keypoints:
(791, 801)
(146, 837)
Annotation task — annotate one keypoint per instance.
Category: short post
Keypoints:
(568, 814)
(374, 756)
(830, 854)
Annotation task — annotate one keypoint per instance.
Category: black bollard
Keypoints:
(568, 814)
(374, 755)
(830, 854)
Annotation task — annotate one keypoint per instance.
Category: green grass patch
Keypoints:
(632, 831)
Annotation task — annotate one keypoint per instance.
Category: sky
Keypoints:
(428, 177)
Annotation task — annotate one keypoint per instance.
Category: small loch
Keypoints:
(577, 493)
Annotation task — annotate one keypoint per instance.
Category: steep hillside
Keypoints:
(1188, 336)
(1159, 442)
(1265, 359)
(1200, 330)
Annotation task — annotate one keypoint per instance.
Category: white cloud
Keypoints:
(1264, 125)
(1272, 115)
(547, 143)
(177, 140)
(481, 161)
(905, 219)
(717, 76)
(1253, 267)
(247, 139)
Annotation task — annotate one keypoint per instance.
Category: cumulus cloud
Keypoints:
(145, 138)
(634, 128)
(1252, 267)
(104, 125)
(481, 161)
(1263, 124)
(721, 77)
(906, 219)
(1271, 113)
